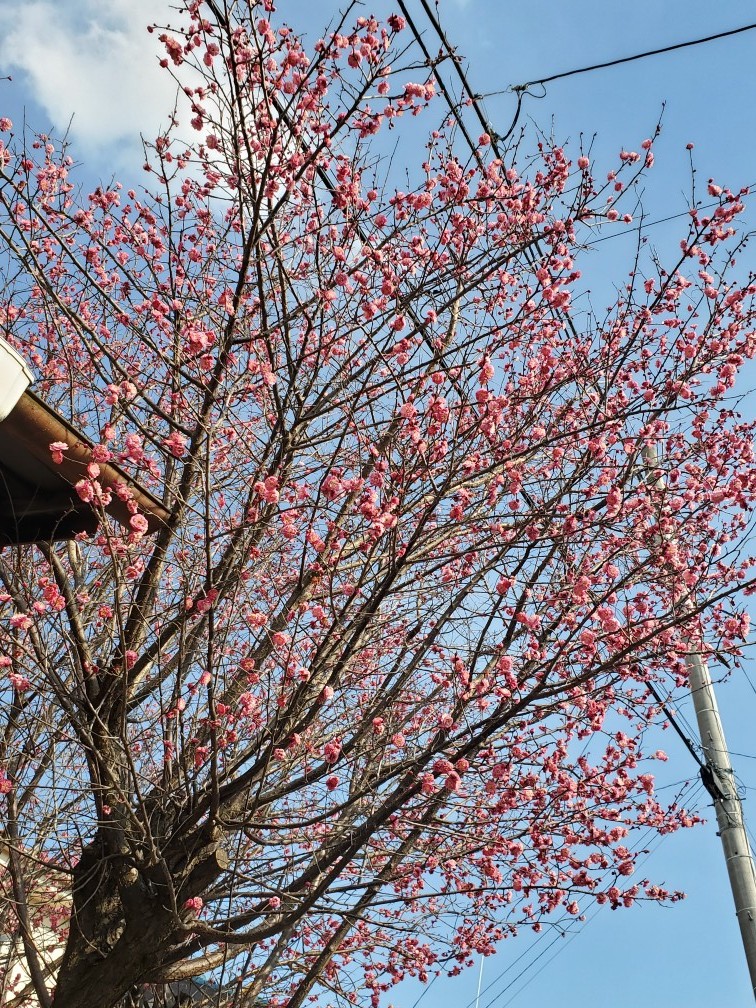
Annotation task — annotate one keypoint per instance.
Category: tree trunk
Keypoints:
(123, 926)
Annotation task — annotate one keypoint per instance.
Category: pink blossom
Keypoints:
(415, 481)
(56, 450)
(176, 444)
(139, 524)
(85, 490)
(134, 450)
(174, 49)
(267, 489)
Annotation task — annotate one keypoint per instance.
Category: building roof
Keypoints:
(38, 500)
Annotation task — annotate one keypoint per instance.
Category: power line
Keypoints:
(643, 225)
(623, 59)
(706, 768)
(450, 53)
(425, 990)
(475, 101)
(748, 679)
(560, 937)
(570, 938)
(670, 717)
(528, 966)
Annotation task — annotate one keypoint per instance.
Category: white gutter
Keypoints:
(15, 377)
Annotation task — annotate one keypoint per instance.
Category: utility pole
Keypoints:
(719, 780)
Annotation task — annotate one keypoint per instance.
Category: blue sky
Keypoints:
(91, 59)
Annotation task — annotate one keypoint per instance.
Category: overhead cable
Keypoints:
(625, 59)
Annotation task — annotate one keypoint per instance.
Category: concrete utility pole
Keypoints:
(719, 780)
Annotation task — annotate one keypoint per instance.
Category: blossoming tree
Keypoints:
(376, 693)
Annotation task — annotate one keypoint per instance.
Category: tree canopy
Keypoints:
(378, 691)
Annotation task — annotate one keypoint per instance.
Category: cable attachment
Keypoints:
(711, 783)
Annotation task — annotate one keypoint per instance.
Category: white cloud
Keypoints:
(91, 63)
